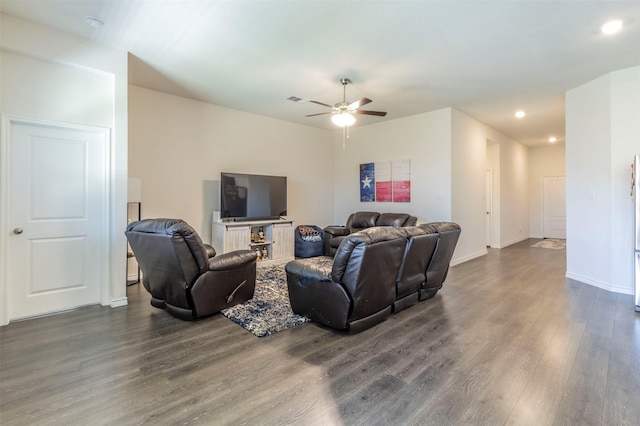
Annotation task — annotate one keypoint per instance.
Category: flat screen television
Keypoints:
(252, 197)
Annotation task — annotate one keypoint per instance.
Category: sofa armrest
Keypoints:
(211, 252)
(233, 260)
(336, 231)
(308, 271)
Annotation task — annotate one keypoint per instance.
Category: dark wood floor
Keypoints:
(508, 340)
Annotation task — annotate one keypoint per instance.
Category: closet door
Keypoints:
(58, 227)
(554, 207)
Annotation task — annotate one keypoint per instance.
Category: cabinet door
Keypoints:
(282, 246)
(237, 238)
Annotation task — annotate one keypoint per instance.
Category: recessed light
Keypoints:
(552, 139)
(611, 27)
(93, 21)
(520, 114)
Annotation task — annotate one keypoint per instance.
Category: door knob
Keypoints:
(17, 231)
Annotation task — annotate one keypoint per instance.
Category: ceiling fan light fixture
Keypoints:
(343, 119)
(611, 27)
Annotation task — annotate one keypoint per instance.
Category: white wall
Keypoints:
(543, 161)
(603, 134)
(179, 146)
(625, 143)
(69, 79)
(514, 192)
(45, 90)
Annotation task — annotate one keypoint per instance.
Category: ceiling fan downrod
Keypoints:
(344, 82)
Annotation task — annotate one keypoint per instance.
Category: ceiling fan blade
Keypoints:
(320, 113)
(358, 104)
(378, 113)
(320, 103)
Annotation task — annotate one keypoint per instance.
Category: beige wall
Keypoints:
(448, 157)
(469, 163)
(469, 158)
(425, 139)
(178, 147)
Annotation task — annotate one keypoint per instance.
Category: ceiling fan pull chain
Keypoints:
(344, 139)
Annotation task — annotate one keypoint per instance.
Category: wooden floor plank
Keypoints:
(508, 340)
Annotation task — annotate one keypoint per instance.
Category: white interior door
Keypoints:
(57, 217)
(554, 207)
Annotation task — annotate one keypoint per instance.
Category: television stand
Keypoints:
(276, 246)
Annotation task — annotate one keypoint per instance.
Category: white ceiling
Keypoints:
(485, 58)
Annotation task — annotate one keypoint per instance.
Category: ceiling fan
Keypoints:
(342, 112)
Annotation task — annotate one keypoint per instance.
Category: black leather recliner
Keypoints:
(333, 235)
(425, 263)
(418, 254)
(184, 275)
(358, 290)
(448, 235)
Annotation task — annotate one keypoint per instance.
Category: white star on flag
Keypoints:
(366, 183)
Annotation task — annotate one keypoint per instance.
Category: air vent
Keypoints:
(297, 99)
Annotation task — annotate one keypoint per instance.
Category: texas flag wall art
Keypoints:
(386, 181)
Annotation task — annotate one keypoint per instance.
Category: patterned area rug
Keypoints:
(269, 311)
(551, 243)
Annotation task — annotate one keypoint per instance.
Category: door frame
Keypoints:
(488, 175)
(6, 122)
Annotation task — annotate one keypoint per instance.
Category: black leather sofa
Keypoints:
(184, 275)
(358, 290)
(375, 271)
(436, 274)
(333, 235)
(425, 263)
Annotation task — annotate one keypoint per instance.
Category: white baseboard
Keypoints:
(469, 257)
(509, 243)
(120, 301)
(599, 284)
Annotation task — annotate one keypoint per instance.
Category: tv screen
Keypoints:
(245, 196)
